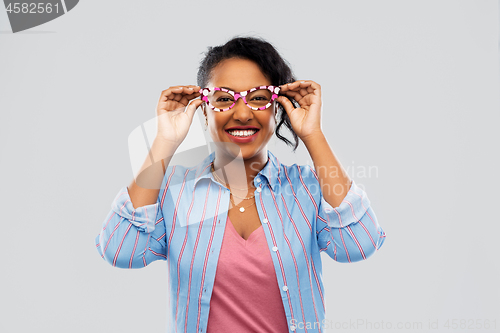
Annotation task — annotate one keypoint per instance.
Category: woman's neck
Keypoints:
(237, 172)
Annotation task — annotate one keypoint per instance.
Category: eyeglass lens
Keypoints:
(257, 98)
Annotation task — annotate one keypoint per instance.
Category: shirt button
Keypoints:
(259, 189)
(264, 221)
(257, 180)
(285, 288)
(292, 328)
(275, 248)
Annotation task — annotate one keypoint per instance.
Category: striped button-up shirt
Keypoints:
(186, 226)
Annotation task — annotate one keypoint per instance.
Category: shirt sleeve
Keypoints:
(132, 238)
(349, 232)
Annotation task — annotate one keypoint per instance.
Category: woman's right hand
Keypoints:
(174, 119)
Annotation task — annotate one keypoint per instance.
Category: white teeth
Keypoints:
(242, 133)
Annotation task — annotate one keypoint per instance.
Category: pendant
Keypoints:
(242, 209)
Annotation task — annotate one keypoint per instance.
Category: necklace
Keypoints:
(223, 182)
(242, 209)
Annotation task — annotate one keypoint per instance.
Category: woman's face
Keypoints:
(240, 75)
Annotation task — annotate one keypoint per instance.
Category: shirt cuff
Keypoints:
(351, 209)
(144, 218)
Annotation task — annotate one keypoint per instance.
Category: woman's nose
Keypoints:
(241, 111)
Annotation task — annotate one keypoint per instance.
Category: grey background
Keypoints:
(409, 87)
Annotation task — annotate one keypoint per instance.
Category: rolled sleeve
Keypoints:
(144, 218)
(349, 232)
(132, 238)
(355, 204)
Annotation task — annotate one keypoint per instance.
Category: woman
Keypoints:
(242, 233)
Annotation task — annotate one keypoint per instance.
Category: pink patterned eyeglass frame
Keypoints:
(242, 94)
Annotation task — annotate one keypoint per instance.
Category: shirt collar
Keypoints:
(270, 173)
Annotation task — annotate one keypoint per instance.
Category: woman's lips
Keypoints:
(242, 139)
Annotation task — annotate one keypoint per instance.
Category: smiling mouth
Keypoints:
(242, 133)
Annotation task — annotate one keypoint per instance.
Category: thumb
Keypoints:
(286, 103)
(192, 106)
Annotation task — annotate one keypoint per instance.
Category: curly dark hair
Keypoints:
(272, 65)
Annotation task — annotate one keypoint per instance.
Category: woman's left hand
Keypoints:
(306, 119)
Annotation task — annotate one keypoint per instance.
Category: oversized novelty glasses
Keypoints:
(222, 99)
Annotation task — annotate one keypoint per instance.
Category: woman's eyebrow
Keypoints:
(235, 90)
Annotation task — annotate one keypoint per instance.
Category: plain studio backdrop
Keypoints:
(410, 107)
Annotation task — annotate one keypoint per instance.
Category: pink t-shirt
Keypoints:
(246, 295)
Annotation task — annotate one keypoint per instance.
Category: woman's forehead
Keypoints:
(237, 75)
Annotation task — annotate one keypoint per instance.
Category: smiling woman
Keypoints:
(240, 75)
(242, 233)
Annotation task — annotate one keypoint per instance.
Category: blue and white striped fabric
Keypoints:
(186, 227)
